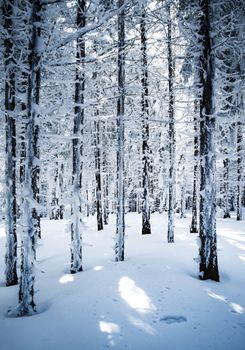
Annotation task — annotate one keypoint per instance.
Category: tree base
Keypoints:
(12, 283)
(72, 271)
(146, 230)
(210, 273)
(193, 230)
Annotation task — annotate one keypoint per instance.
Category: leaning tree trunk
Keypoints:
(194, 228)
(120, 229)
(172, 146)
(146, 226)
(77, 148)
(10, 164)
(207, 231)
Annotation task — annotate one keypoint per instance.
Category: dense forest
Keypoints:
(114, 107)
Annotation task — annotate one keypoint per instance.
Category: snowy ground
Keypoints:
(151, 301)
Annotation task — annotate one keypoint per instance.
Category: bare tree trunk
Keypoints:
(10, 164)
(172, 145)
(77, 147)
(207, 232)
(120, 230)
(146, 226)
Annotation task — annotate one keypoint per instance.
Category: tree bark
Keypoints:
(239, 172)
(146, 226)
(10, 163)
(207, 232)
(77, 147)
(194, 227)
(31, 171)
(120, 229)
(172, 146)
(98, 174)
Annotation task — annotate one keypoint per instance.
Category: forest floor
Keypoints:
(153, 300)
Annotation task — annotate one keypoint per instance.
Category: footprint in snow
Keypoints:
(173, 319)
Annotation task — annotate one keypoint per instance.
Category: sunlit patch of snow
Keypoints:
(66, 279)
(135, 296)
(183, 237)
(98, 268)
(145, 327)
(216, 296)
(109, 327)
(241, 257)
(238, 309)
(2, 232)
(236, 244)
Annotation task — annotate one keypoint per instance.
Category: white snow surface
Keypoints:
(151, 301)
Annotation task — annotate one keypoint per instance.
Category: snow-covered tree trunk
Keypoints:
(239, 170)
(106, 190)
(146, 227)
(77, 147)
(10, 164)
(226, 204)
(120, 229)
(172, 145)
(207, 231)
(97, 157)
(194, 227)
(61, 189)
(30, 220)
(55, 208)
(35, 59)
(183, 188)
